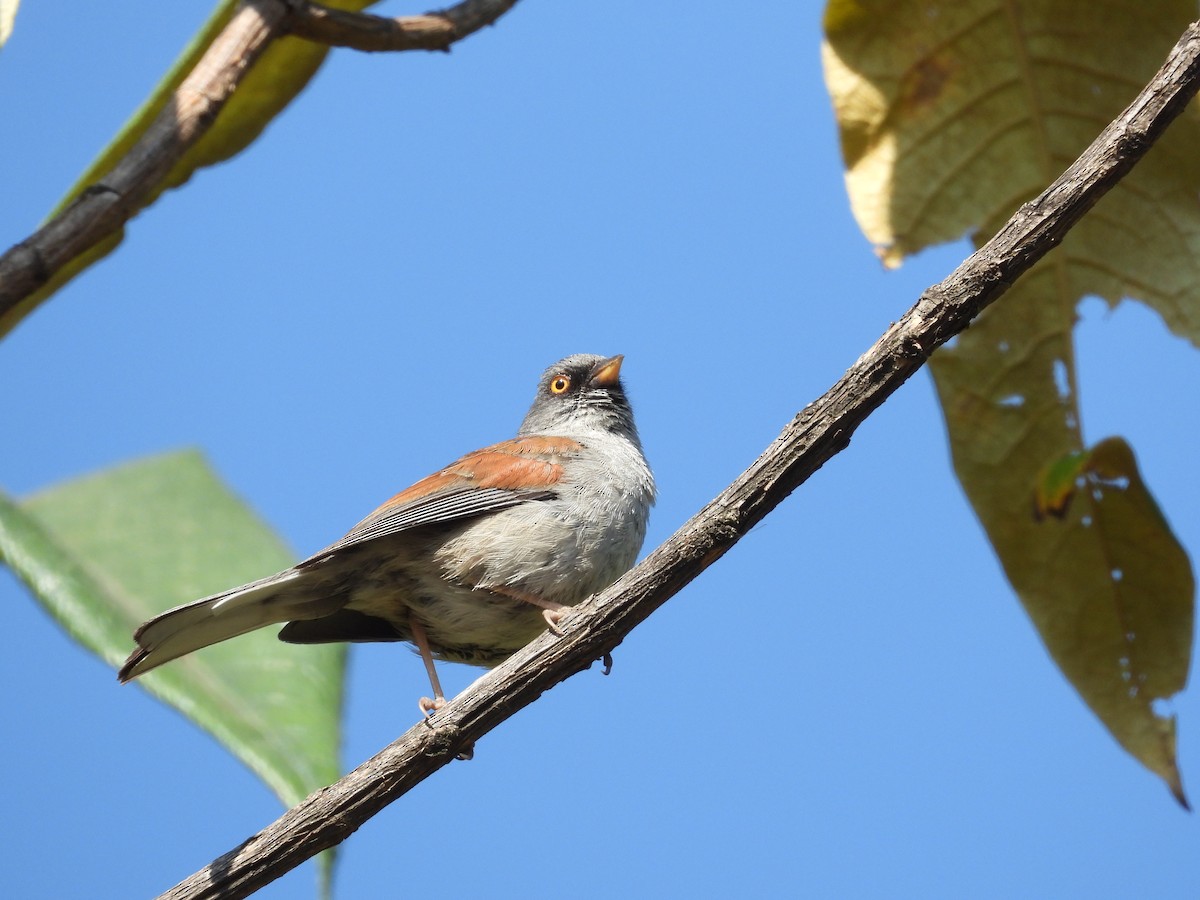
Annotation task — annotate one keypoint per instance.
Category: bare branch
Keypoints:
(812, 438)
(103, 208)
(363, 31)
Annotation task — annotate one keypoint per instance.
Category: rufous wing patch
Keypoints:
(520, 463)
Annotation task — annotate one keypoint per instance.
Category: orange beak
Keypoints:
(608, 372)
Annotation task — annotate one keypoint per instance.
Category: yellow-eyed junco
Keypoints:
(470, 563)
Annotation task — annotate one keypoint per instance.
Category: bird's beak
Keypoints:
(607, 373)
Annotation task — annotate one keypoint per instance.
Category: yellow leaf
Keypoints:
(8, 13)
(951, 115)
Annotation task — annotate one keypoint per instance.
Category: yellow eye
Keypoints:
(559, 384)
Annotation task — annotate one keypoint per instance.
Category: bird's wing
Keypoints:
(507, 474)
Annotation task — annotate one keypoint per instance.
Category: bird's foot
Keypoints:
(552, 611)
(553, 617)
(430, 706)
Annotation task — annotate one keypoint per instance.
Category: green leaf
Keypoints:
(951, 115)
(8, 12)
(108, 551)
(278, 76)
(1057, 485)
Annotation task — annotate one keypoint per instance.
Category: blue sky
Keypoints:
(851, 703)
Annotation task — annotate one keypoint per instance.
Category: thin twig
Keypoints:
(812, 438)
(363, 31)
(103, 208)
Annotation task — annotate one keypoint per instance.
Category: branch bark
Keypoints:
(817, 433)
(103, 208)
(363, 31)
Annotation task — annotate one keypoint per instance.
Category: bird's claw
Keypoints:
(430, 706)
(553, 617)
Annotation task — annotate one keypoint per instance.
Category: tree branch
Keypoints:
(363, 31)
(103, 208)
(821, 430)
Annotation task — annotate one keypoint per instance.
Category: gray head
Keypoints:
(581, 393)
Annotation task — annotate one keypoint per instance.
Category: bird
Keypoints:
(470, 563)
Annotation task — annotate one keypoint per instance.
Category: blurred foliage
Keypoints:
(8, 13)
(106, 552)
(952, 114)
(276, 79)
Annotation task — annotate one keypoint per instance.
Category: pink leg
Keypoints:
(551, 610)
(422, 641)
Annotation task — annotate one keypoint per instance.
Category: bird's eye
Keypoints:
(559, 384)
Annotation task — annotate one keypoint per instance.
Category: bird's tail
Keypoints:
(217, 618)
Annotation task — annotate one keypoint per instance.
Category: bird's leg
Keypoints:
(551, 611)
(426, 704)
